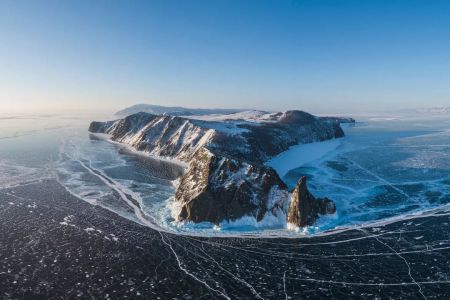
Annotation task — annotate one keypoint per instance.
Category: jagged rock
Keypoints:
(218, 188)
(305, 208)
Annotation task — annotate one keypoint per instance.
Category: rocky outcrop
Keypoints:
(336, 122)
(304, 208)
(101, 127)
(217, 188)
(227, 178)
(339, 120)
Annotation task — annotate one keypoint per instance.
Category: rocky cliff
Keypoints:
(217, 188)
(304, 208)
(226, 178)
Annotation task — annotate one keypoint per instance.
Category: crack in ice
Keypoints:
(406, 262)
(252, 289)
(379, 178)
(169, 244)
(284, 286)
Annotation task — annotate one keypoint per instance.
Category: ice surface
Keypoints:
(299, 155)
(380, 173)
(390, 238)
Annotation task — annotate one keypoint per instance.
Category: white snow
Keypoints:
(298, 155)
(254, 116)
(227, 127)
(129, 148)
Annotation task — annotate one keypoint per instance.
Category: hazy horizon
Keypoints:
(110, 111)
(318, 56)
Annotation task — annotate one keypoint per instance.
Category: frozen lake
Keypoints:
(389, 238)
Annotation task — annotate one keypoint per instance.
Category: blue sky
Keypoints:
(320, 56)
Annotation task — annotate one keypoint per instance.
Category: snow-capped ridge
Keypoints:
(172, 110)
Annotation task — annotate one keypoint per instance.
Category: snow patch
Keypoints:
(298, 155)
(253, 116)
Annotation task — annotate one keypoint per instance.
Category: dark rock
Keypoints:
(339, 120)
(338, 130)
(99, 127)
(218, 188)
(297, 117)
(305, 208)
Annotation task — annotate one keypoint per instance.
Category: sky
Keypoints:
(321, 56)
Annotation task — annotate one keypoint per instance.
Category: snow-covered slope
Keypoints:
(243, 116)
(165, 136)
(172, 110)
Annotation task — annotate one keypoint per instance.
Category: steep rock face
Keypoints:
(166, 136)
(336, 122)
(218, 188)
(304, 208)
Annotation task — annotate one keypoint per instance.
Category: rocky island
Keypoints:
(227, 177)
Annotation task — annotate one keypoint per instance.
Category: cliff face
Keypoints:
(165, 136)
(226, 178)
(217, 188)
